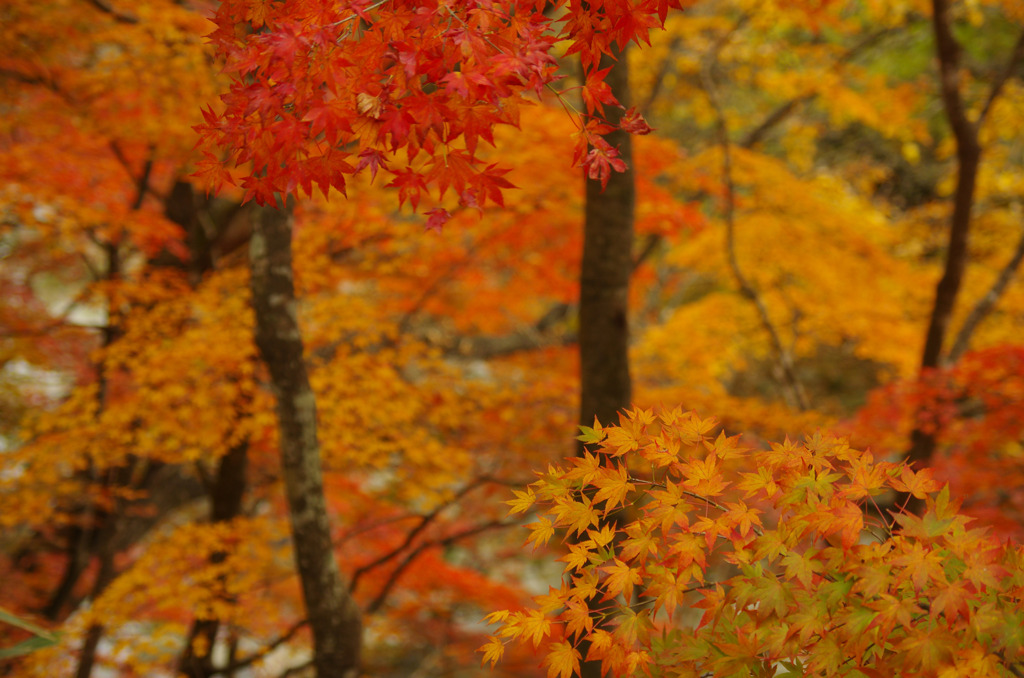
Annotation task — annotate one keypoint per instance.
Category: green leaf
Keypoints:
(43, 638)
(26, 646)
(590, 435)
(15, 620)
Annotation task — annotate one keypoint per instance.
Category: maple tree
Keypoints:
(316, 79)
(783, 569)
(143, 500)
(794, 608)
(142, 425)
(323, 91)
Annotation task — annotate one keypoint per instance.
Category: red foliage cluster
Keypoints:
(323, 90)
(976, 411)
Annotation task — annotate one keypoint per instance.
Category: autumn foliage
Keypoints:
(323, 91)
(779, 558)
(793, 208)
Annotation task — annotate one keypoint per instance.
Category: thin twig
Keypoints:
(264, 650)
(791, 383)
(649, 246)
(986, 304)
(659, 78)
(396, 574)
(754, 136)
(446, 276)
(425, 522)
(120, 15)
(296, 670)
(370, 8)
(1016, 56)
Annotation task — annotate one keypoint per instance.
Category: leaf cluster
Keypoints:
(323, 91)
(689, 555)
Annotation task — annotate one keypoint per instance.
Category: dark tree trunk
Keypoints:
(226, 495)
(968, 155)
(106, 574)
(110, 333)
(605, 386)
(333, 614)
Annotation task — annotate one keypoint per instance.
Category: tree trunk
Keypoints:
(605, 386)
(226, 494)
(333, 614)
(968, 155)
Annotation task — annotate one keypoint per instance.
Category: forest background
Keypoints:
(796, 260)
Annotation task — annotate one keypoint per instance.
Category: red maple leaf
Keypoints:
(634, 123)
(438, 217)
(601, 160)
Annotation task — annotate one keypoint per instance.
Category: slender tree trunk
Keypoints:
(106, 574)
(605, 386)
(968, 155)
(110, 333)
(87, 656)
(226, 494)
(333, 615)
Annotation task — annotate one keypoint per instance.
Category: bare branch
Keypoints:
(986, 303)
(659, 77)
(756, 135)
(649, 246)
(1016, 56)
(446, 276)
(120, 15)
(396, 574)
(263, 651)
(296, 670)
(792, 386)
(425, 522)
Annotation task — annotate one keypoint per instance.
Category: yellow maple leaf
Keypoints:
(541, 531)
(613, 487)
(522, 502)
(600, 642)
(577, 558)
(619, 441)
(577, 617)
(493, 650)
(562, 660)
(621, 579)
(551, 601)
(585, 586)
(602, 537)
(577, 515)
(495, 617)
(535, 626)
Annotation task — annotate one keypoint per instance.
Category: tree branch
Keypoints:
(1016, 56)
(756, 135)
(425, 522)
(119, 15)
(659, 77)
(264, 651)
(650, 245)
(396, 574)
(986, 303)
(791, 384)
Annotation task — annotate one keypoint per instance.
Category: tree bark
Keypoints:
(986, 304)
(605, 386)
(968, 155)
(333, 615)
(226, 494)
